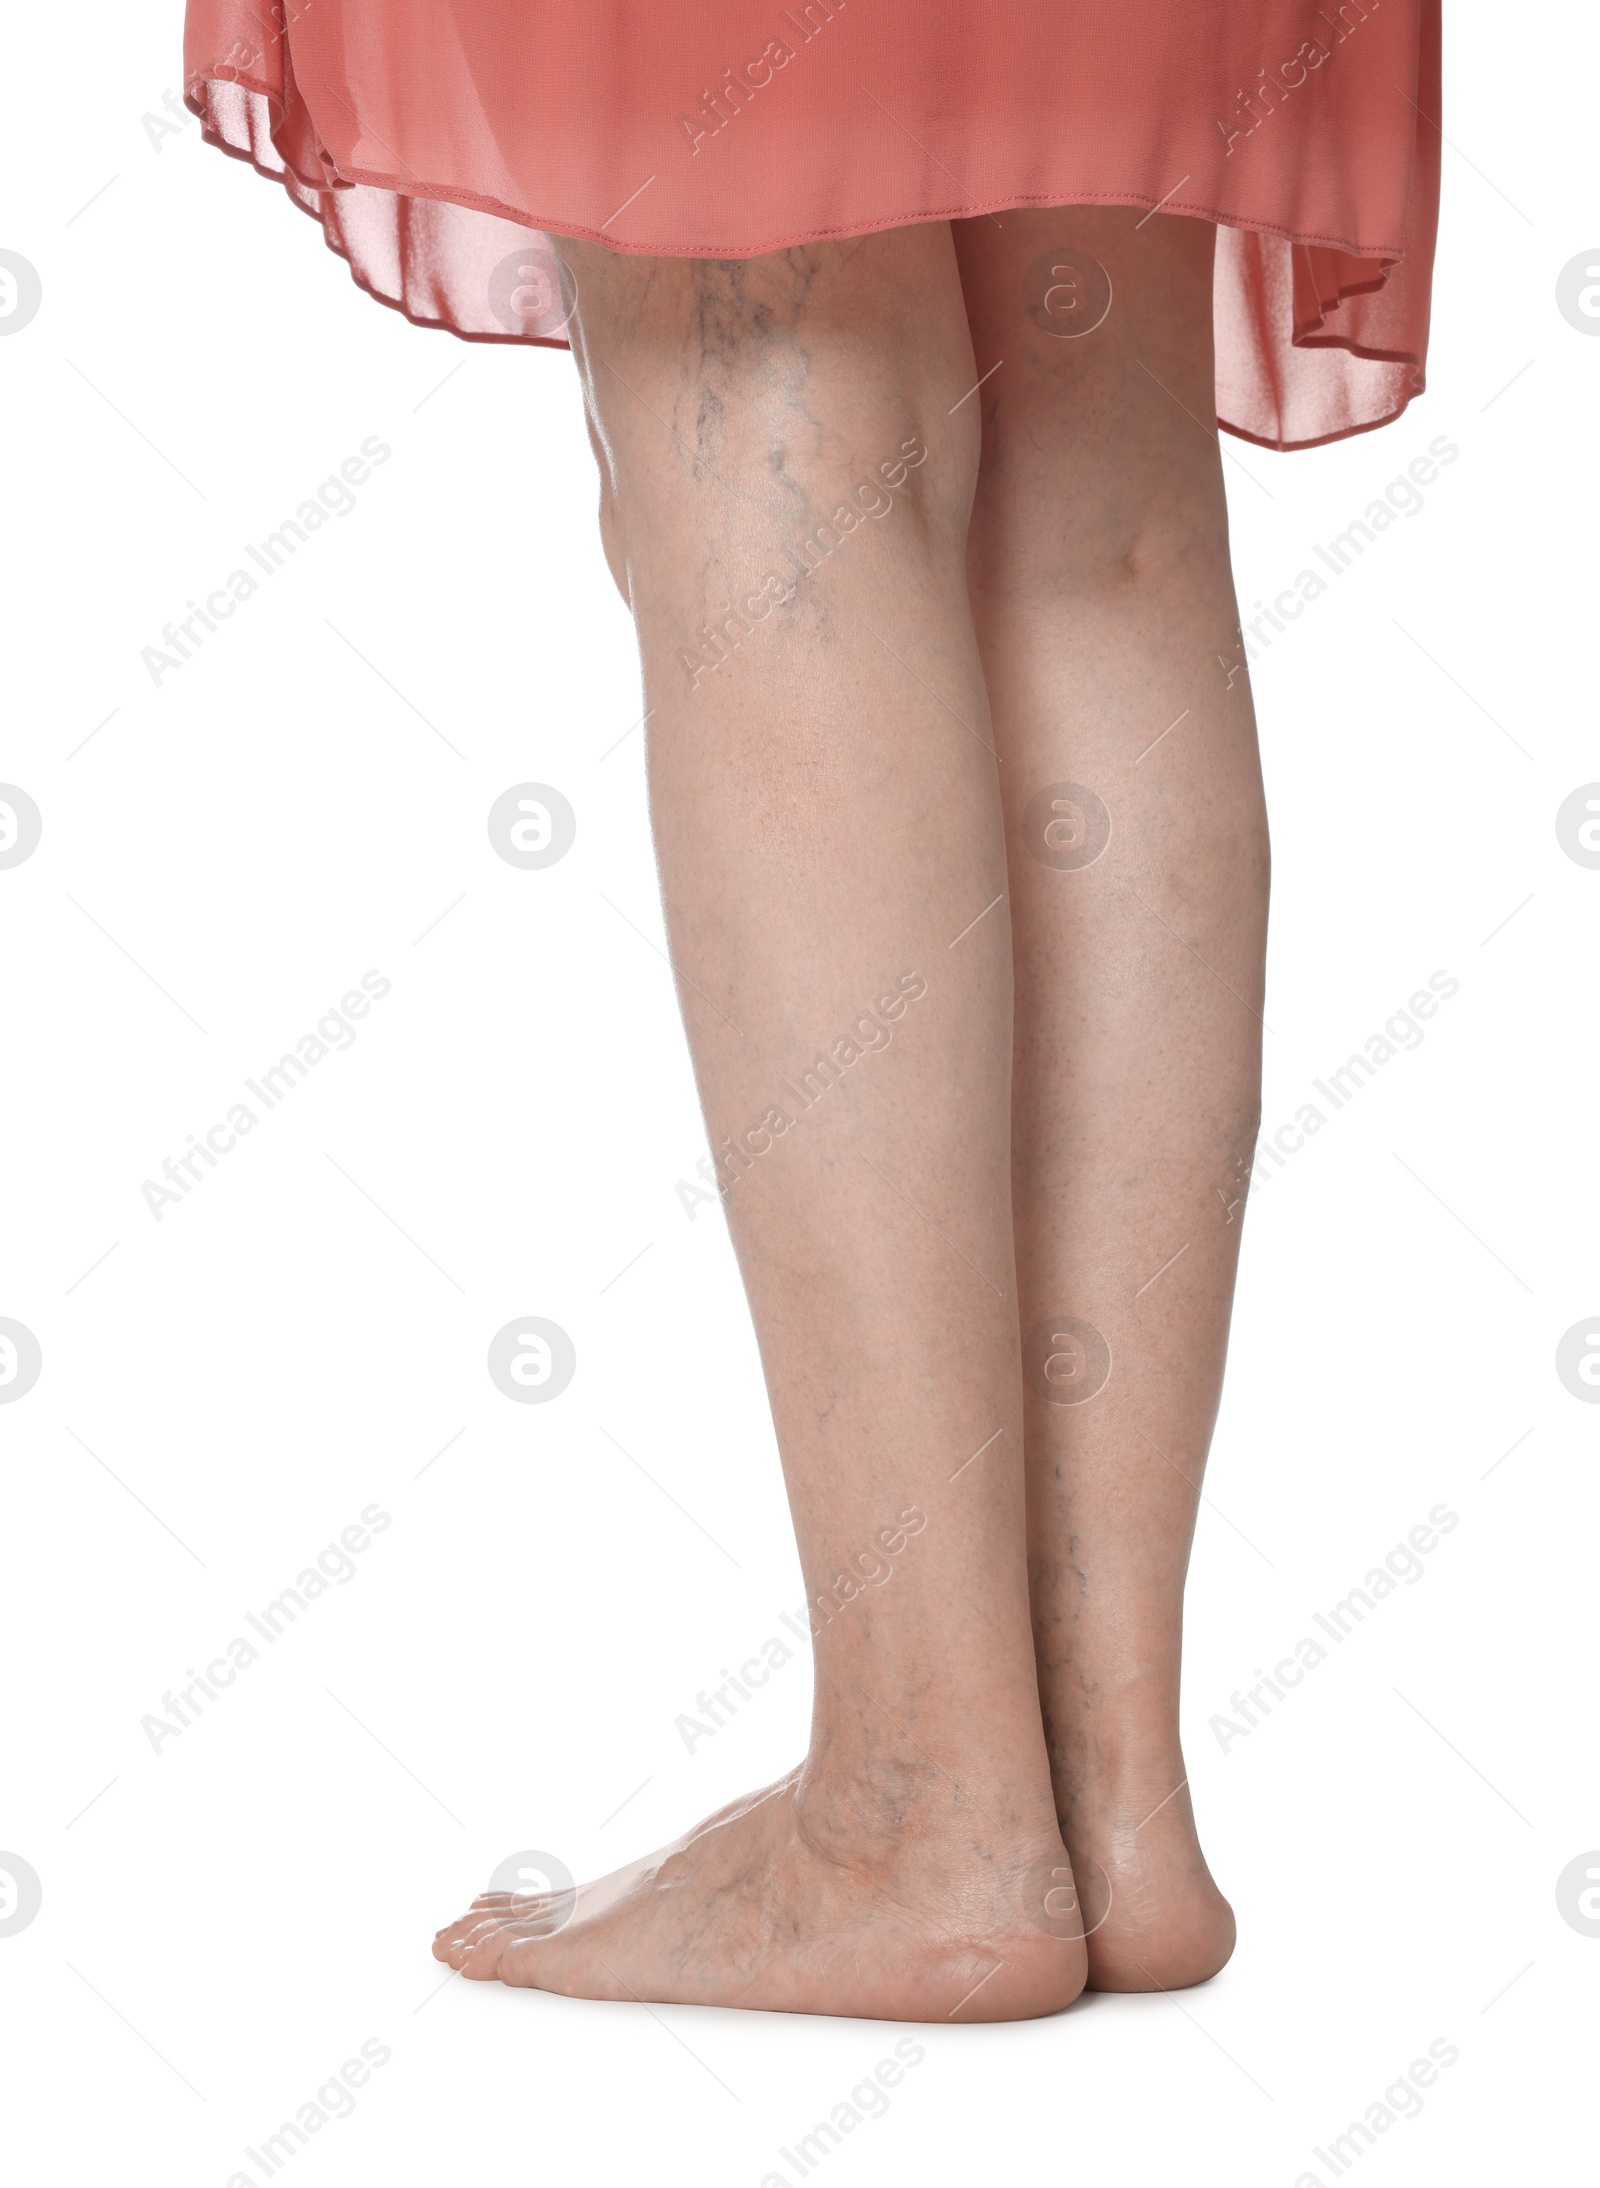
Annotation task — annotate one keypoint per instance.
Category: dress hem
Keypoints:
(1305, 335)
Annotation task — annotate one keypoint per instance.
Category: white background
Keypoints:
(305, 1334)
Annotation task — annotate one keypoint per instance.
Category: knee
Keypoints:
(777, 405)
(1121, 548)
(799, 467)
(1102, 491)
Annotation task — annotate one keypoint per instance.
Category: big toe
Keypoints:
(479, 1954)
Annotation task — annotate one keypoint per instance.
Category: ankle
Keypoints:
(1117, 1760)
(878, 1812)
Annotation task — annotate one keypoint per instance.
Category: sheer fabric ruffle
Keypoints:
(441, 142)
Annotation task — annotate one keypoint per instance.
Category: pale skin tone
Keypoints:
(1057, 1128)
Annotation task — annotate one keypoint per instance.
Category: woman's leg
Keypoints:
(786, 506)
(1137, 857)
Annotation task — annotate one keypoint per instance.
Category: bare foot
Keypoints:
(1153, 1916)
(765, 1906)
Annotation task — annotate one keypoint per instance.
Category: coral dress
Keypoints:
(440, 143)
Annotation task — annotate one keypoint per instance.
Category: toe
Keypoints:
(519, 1963)
(529, 1961)
(474, 1951)
(465, 1936)
(489, 1953)
(484, 1938)
(446, 1940)
(541, 1912)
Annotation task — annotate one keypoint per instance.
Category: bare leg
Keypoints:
(1104, 608)
(830, 839)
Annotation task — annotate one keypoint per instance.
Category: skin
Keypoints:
(1058, 1095)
